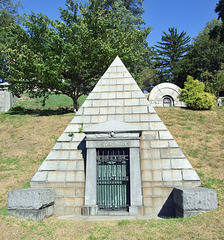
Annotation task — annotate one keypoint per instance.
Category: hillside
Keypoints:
(27, 136)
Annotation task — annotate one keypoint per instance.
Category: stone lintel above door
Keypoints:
(112, 130)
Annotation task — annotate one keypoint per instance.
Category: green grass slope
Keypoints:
(28, 133)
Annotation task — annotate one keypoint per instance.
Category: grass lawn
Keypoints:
(28, 133)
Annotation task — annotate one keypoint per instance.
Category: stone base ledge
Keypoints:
(94, 211)
(135, 210)
(34, 204)
(192, 201)
(89, 211)
(33, 214)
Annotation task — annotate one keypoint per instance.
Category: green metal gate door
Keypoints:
(113, 188)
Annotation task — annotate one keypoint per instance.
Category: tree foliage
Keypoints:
(134, 10)
(10, 8)
(148, 78)
(218, 30)
(219, 81)
(170, 51)
(69, 56)
(8, 15)
(204, 59)
(194, 95)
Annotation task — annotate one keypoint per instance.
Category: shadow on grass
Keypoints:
(39, 112)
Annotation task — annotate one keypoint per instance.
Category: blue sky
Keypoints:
(190, 16)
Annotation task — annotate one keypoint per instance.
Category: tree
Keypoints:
(204, 58)
(69, 56)
(133, 6)
(10, 6)
(219, 81)
(170, 51)
(218, 30)
(8, 15)
(148, 78)
(194, 95)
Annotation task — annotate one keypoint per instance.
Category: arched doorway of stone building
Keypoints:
(168, 101)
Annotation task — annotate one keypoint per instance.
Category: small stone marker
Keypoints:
(7, 99)
(192, 201)
(219, 102)
(35, 204)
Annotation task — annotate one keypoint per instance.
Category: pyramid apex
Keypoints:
(117, 62)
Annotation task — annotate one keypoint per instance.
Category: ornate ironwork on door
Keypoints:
(113, 188)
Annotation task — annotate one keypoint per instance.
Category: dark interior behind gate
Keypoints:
(113, 187)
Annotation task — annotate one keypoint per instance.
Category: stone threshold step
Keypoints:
(106, 218)
(112, 213)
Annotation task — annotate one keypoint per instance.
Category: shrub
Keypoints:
(194, 95)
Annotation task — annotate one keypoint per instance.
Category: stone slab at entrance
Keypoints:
(115, 115)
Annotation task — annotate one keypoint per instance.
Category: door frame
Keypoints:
(102, 136)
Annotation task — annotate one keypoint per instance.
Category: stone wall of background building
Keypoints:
(7, 99)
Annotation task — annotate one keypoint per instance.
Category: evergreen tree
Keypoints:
(219, 81)
(204, 59)
(218, 30)
(170, 50)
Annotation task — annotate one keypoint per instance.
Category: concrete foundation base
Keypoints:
(89, 211)
(94, 211)
(33, 214)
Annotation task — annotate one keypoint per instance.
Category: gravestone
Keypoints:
(7, 99)
(219, 102)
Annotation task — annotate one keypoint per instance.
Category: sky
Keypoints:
(190, 16)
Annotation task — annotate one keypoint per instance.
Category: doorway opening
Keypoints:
(113, 179)
(168, 101)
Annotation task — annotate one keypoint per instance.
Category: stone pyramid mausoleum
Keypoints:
(116, 155)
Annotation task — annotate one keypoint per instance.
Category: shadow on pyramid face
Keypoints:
(82, 147)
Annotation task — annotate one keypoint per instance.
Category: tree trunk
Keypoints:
(75, 104)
